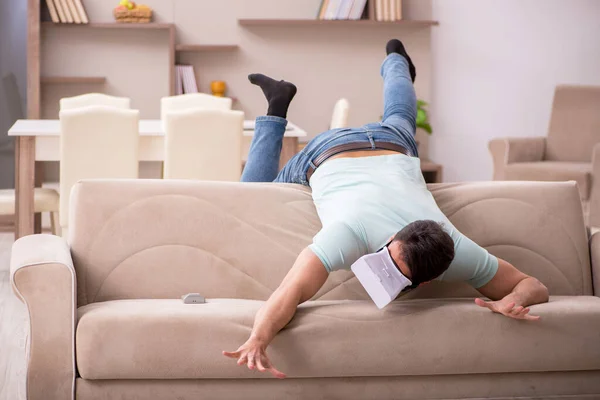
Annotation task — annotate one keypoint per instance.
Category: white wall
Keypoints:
(495, 66)
(13, 59)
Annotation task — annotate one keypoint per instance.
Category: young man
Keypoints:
(369, 193)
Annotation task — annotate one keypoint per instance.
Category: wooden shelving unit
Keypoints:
(73, 80)
(109, 25)
(205, 47)
(351, 23)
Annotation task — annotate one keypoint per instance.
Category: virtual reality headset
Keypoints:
(381, 277)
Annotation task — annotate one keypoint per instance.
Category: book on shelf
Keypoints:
(53, 12)
(379, 10)
(73, 12)
(178, 81)
(358, 9)
(388, 10)
(341, 9)
(67, 11)
(59, 10)
(323, 9)
(82, 13)
(185, 79)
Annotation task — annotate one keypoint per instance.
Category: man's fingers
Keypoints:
(259, 365)
(517, 311)
(251, 360)
(507, 308)
(531, 317)
(525, 311)
(243, 359)
(484, 304)
(276, 373)
(231, 354)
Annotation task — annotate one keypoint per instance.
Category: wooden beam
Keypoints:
(25, 146)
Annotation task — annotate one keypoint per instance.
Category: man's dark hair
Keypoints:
(427, 249)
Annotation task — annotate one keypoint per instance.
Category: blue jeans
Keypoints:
(398, 127)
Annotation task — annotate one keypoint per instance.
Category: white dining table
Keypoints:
(39, 140)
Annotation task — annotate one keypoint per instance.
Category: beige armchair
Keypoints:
(570, 152)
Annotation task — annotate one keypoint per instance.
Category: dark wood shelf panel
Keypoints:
(112, 25)
(205, 47)
(319, 22)
(73, 79)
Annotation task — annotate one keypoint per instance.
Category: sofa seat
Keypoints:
(553, 171)
(166, 339)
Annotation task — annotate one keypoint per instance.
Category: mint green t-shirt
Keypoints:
(362, 202)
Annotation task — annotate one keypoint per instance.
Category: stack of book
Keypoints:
(185, 80)
(388, 10)
(67, 11)
(342, 9)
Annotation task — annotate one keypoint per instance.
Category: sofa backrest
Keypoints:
(134, 239)
(574, 124)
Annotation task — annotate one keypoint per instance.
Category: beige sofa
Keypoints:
(570, 152)
(107, 321)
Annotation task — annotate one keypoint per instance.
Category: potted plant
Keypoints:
(423, 116)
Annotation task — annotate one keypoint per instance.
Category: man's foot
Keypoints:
(396, 46)
(279, 94)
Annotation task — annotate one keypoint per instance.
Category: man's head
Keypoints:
(423, 250)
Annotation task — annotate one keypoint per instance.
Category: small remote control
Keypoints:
(193, 298)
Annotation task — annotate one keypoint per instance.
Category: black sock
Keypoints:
(396, 46)
(279, 94)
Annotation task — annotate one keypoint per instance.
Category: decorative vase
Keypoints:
(218, 88)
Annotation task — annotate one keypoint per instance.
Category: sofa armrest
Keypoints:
(594, 206)
(511, 150)
(43, 277)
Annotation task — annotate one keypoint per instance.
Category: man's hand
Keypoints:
(513, 292)
(508, 308)
(300, 284)
(254, 354)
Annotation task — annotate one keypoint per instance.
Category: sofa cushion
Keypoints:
(553, 171)
(165, 339)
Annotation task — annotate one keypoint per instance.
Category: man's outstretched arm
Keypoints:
(300, 284)
(512, 292)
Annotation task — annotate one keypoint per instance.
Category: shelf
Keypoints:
(352, 23)
(205, 47)
(112, 25)
(73, 79)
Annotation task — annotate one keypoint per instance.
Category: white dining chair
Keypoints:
(44, 199)
(339, 119)
(96, 142)
(94, 99)
(192, 100)
(204, 144)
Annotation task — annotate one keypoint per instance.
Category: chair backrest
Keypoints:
(94, 99)
(339, 118)
(204, 144)
(163, 238)
(96, 142)
(193, 100)
(574, 124)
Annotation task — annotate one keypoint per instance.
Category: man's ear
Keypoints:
(391, 238)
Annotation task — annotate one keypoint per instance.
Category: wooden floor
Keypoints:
(13, 331)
